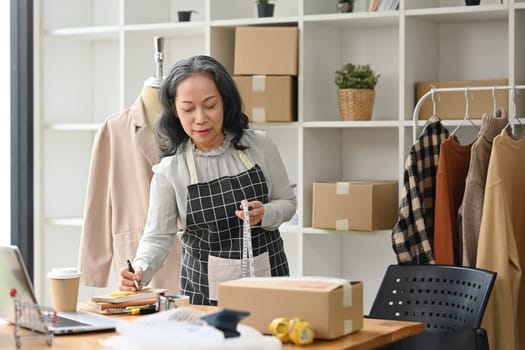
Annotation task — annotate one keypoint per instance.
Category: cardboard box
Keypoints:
(332, 306)
(357, 205)
(451, 105)
(265, 51)
(267, 98)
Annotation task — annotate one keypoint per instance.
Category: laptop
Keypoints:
(13, 274)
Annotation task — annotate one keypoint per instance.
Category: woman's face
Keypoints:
(200, 109)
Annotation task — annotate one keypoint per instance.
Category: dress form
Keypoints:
(150, 93)
(151, 101)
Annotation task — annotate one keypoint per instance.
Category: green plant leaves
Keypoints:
(353, 76)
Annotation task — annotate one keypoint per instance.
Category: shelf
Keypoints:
(353, 124)
(268, 125)
(65, 221)
(358, 19)
(280, 21)
(461, 14)
(169, 29)
(87, 33)
(318, 231)
(73, 126)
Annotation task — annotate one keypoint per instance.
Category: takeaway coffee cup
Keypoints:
(64, 284)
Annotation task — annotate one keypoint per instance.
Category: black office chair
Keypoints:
(450, 300)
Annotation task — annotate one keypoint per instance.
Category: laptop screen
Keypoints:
(13, 275)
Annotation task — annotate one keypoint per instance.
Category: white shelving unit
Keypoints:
(92, 57)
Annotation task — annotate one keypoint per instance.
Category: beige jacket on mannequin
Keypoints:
(116, 206)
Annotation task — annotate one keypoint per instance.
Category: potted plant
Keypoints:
(345, 6)
(356, 91)
(264, 8)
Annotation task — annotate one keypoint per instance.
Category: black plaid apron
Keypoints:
(213, 234)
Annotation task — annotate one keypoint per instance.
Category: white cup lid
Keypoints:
(64, 273)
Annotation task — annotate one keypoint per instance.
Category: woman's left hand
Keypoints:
(256, 210)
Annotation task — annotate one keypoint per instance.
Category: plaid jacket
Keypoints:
(413, 234)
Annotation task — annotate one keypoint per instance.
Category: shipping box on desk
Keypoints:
(266, 51)
(451, 105)
(355, 205)
(267, 98)
(332, 306)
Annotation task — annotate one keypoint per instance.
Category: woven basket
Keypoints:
(356, 104)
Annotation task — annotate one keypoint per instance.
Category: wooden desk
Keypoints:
(373, 334)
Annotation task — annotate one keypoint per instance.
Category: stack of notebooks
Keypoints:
(141, 302)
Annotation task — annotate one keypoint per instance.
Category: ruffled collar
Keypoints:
(216, 151)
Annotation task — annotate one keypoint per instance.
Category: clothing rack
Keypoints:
(465, 89)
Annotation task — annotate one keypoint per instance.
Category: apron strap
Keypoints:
(245, 159)
(191, 161)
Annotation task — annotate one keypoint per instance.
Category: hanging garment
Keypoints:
(469, 213)
(452, 171)
(169, 204)
(502, 243)
(116, 206)
(412, 236)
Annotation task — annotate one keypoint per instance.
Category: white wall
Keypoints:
(5, 112)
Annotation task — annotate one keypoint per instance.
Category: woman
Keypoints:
(214, 170)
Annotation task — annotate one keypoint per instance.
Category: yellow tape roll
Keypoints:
(300, 332)
(279, 328)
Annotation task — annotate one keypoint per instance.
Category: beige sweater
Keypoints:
(469, 214)
(502, 242)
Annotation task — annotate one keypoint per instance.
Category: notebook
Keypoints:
(13, 274)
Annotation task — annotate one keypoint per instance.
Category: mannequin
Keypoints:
(150, 96)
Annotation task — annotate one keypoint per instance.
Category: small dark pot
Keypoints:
(265, 10)
(472, 2)
(343, 7)
(184, 16)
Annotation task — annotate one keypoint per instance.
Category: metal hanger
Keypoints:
(434, 117)
(494, 100)
(514, 112)
(466, 117)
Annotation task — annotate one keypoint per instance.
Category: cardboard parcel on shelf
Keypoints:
(266, 50)
(267, 98)
(332, 306)
(451, 105)
(355, 205)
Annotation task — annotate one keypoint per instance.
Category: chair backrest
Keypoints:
(446, 298)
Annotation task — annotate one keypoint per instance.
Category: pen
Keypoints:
(132, 270)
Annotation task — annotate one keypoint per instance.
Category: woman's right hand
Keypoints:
(130, 281)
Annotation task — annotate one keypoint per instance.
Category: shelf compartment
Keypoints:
(367, 45)
(79, 13)
(238, 10)
(82, 80)
(162, 11)
(65, 172)
(354, 154)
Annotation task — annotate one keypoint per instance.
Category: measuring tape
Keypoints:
(296, 330)
(247, 251)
